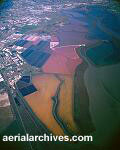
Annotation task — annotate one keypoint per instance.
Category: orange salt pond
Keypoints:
(41, 101)
(65, 107)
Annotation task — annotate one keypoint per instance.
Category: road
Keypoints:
(26, 118)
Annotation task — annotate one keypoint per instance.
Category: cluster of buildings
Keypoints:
(4, 99)
(14, 45)
(10, 61)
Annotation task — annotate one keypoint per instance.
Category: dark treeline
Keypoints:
(1, 1)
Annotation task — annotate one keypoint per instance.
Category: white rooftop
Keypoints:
(1, 78)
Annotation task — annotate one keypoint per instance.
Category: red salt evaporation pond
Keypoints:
(35, 42)
(67, 51)
(34, 39)
(61, 65)
(30, 38)
(56, 64)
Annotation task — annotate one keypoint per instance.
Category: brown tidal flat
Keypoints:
(65, 107)
(41, 101)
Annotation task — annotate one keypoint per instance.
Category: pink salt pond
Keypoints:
(29, 38)
(67, 51)
(56, 64)
(62, 61)
(34, 39)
